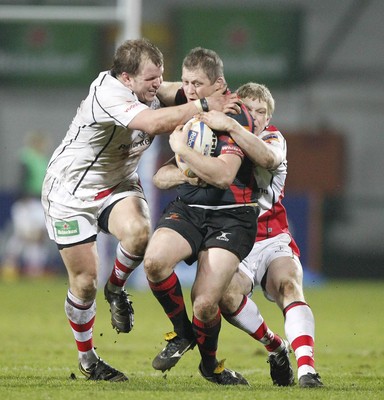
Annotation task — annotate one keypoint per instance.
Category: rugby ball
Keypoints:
(202, 139)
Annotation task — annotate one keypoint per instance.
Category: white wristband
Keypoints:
(198, 105)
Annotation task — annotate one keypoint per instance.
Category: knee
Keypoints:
(84, 286)
(204, 309)
(230, 302)
(135, 237)
(154, 269)
(89, 292)
(290, 287)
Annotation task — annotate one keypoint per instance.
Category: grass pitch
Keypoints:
(38, 355)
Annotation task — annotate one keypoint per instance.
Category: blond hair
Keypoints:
(257, 91)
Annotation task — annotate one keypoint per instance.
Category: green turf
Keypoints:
(38, 354)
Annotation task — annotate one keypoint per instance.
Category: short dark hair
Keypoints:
(206, 59)
(130, 55)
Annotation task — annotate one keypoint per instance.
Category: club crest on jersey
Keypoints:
(67, 228)
(271, 137)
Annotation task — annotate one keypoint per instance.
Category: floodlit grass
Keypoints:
(38, 353)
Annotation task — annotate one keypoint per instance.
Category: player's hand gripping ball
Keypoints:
(202, 139)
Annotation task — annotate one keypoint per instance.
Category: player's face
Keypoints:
(147, 82)
(197, 85)
(259, 111)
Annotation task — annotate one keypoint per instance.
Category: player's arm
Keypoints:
(217, 171)
(165, 120)
(169, 176)
(257, 150)
(167, 92)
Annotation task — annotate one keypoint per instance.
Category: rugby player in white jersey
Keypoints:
(274, 260)
(91, 184)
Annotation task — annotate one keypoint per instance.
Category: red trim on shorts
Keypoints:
(105, 193)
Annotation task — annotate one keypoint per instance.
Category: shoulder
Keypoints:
(271, 133)
(226, 145)
(244, 118)
(180, 97)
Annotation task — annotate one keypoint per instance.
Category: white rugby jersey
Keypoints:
(99, 151)
(273, 216)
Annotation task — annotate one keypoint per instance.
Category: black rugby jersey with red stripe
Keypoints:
(243, 189)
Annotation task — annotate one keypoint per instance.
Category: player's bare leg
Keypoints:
(129, 222)
(239, 310)
(216, 267)
(159, 263)
(81, 262)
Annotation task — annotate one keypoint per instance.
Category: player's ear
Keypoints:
(125, 77)
(220, 84)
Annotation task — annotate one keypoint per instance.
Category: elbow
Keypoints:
(224, 182)
(155, 181)
(159, 183)
(272, 162)
(222, 185)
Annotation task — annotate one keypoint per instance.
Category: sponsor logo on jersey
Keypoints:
(132, 106)
(128, 147)
(67, 228)
(223, 236)
(262, 190)
(270, 138)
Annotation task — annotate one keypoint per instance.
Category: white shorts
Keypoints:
(255, 265)
(72, 220)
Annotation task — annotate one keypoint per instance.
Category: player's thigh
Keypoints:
(285, 274)
(216, 267)
(240, 283)
(165, 249)
(81, 258)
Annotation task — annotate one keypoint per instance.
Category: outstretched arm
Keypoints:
(165, 120)
(256, 149)
(167, 92)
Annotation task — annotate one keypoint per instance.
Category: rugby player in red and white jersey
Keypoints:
(274, 260)
(91, 184)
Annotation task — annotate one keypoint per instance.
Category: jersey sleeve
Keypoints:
(273, 137)
(228, 146)
(113, 102)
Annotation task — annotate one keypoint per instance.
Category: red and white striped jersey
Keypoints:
(273, 215)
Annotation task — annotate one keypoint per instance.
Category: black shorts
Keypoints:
(233, 229)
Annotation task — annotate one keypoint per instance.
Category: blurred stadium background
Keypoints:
(323, 60)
